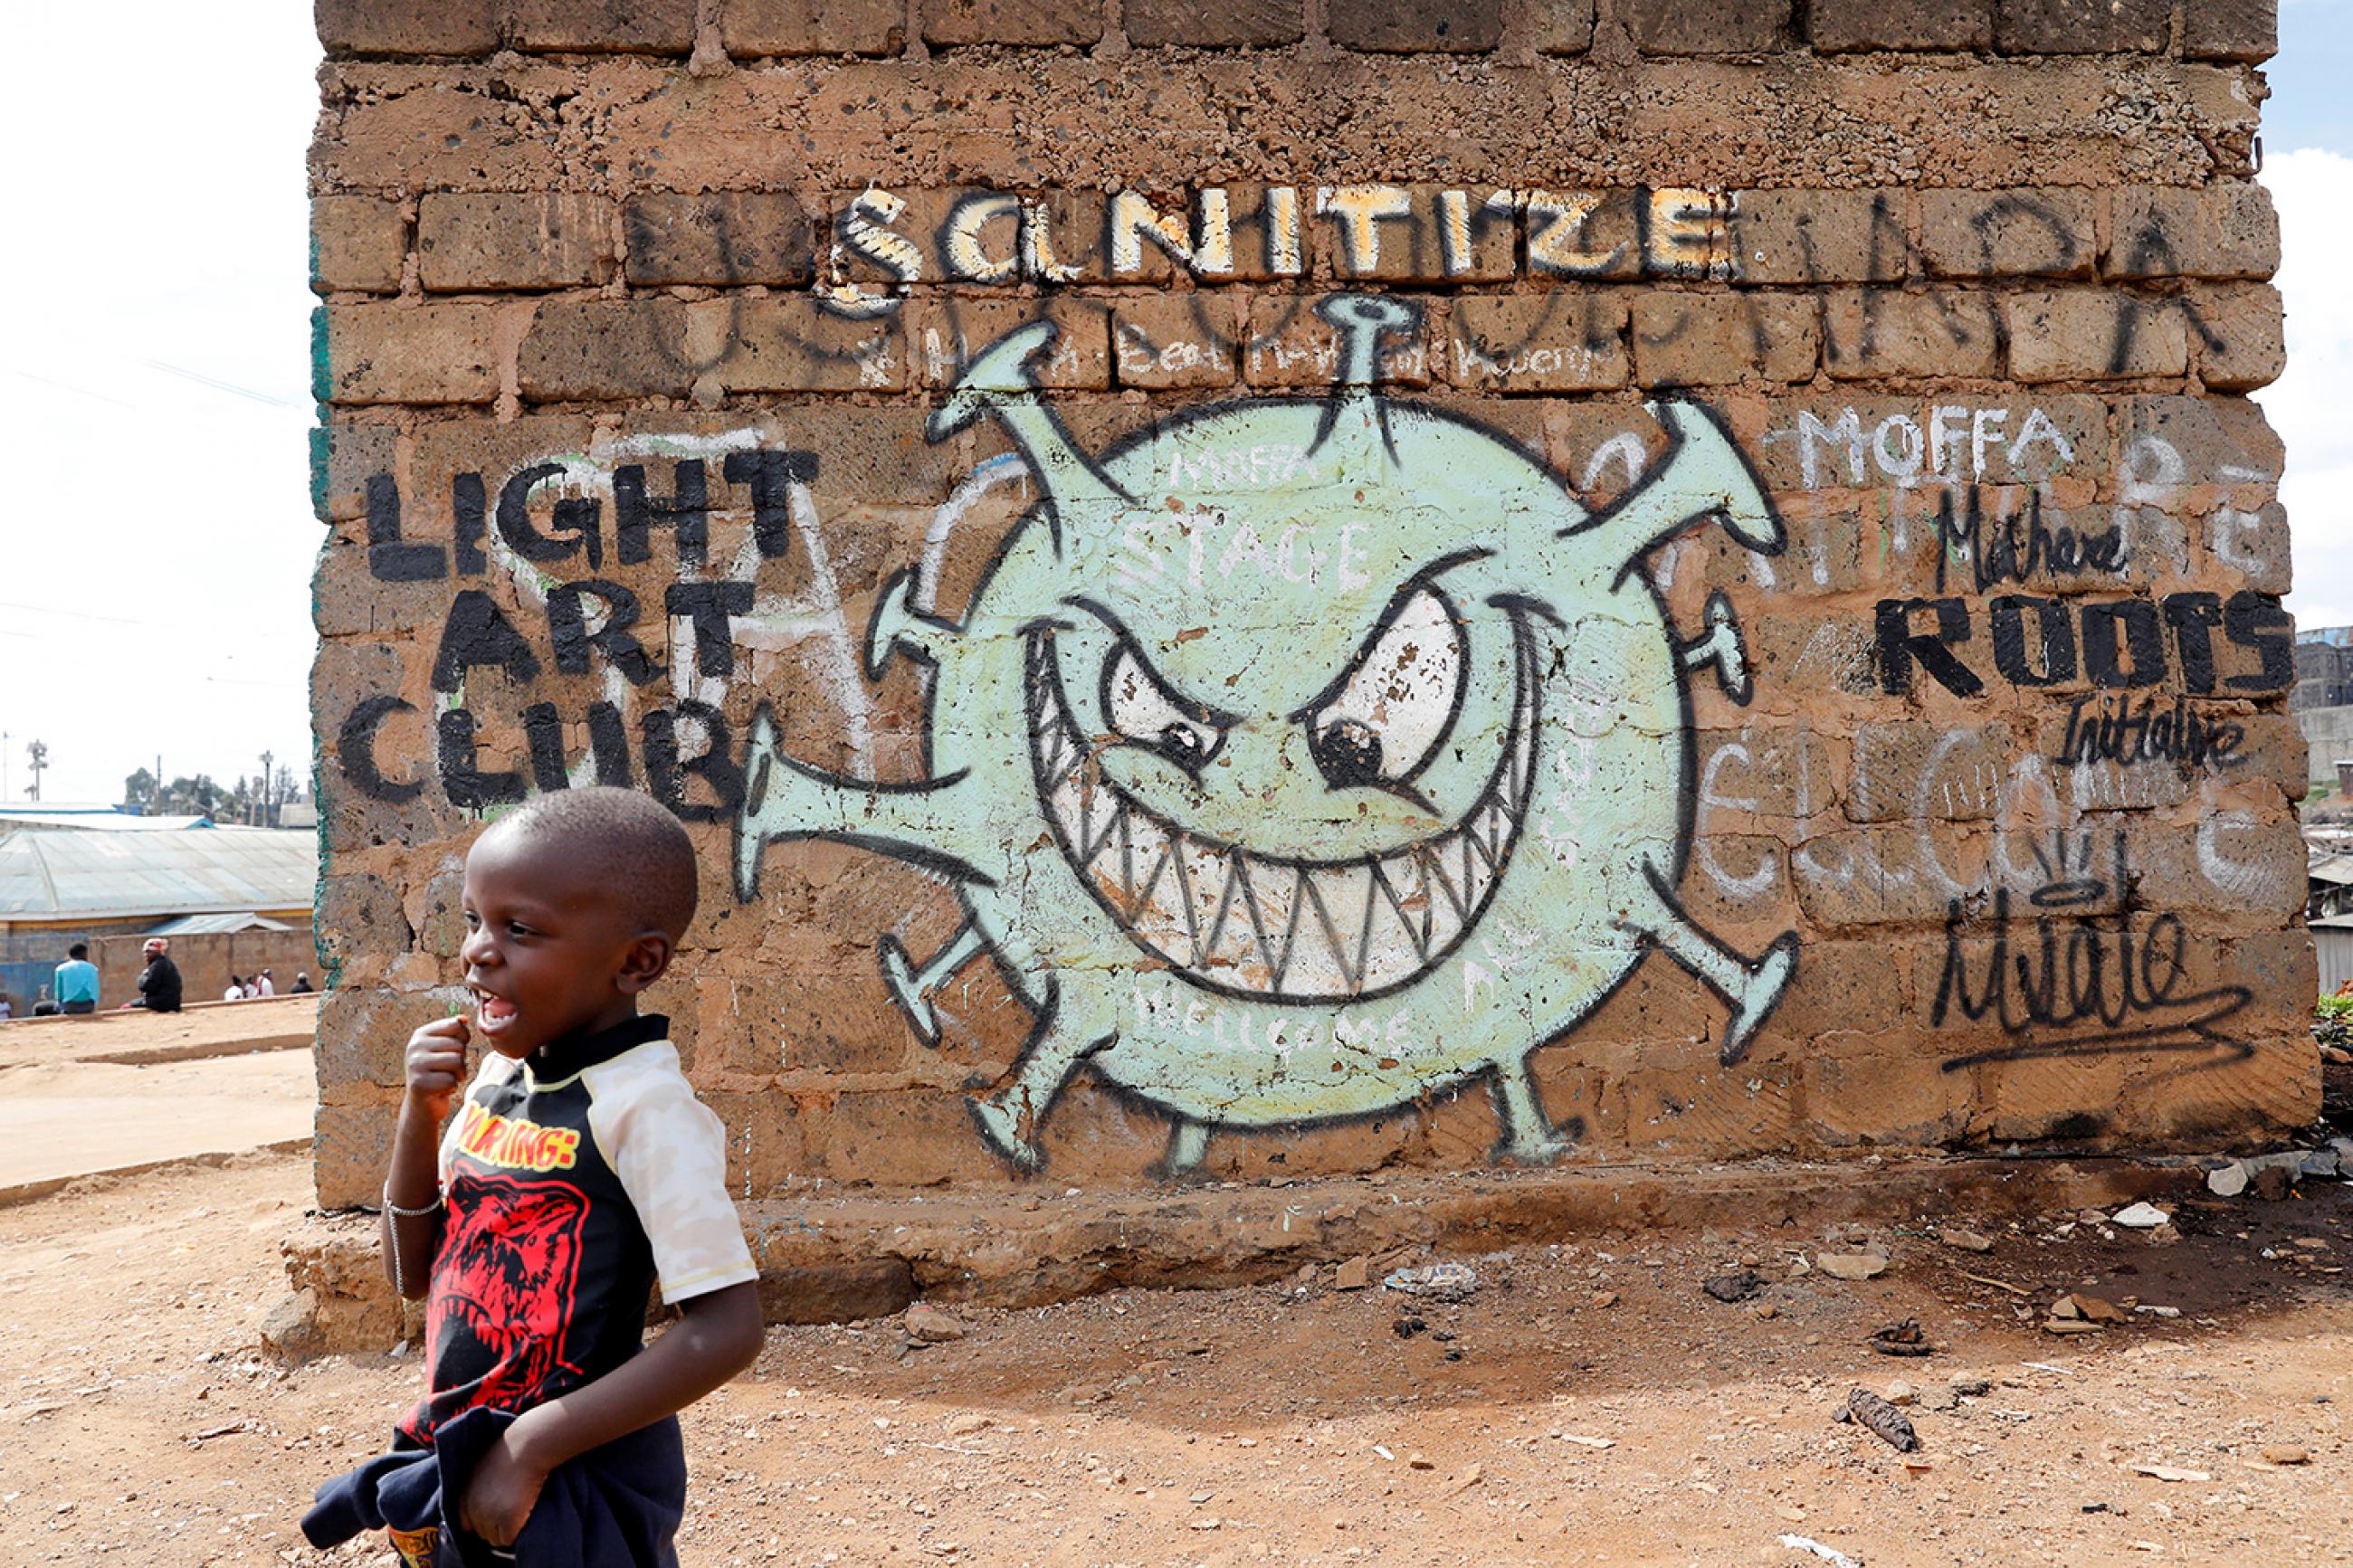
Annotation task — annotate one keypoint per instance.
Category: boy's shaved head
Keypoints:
(626, 839)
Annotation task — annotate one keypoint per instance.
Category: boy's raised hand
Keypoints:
(437, 1065)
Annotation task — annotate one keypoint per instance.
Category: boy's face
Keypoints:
(549, 949)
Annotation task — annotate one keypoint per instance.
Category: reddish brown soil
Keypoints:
(138, 1425)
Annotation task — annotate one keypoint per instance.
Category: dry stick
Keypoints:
(1998, 1284)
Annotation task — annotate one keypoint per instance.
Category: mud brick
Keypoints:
(1561, 341)
(350, 1149)
(364, 1035)
(1687, 234)
(1062, 237)
(1837, 26)
(1563, 27)
(1290, 345)
(1718, 340)
(356, 243)
(2211, 231)
(359, 913)
(602, 26)
(911, 1137)
(1420, 234)
(755, 27)
(2008, 234)
(1875, 332)
(952, 330)
(929, 235)
(1403, 27)
(343, 456)
(544, 240)
(1584, 233)
(718, 237)
(407, 26)
(771, 1136)
(1031, 22)
(790, 344)
(2081, 26)
(1763, 776)
(2238, 335)
(1167, 340)
(1705, 27)
(1863, 1088)
(1230, 24)
(2085, 334)
(2244, 30)
(1819, 236)
(1910, 771)
(1271, 229)
(581, 348)
(389, 352)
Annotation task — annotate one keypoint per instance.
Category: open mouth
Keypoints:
(1249, 924)
(494, 1014)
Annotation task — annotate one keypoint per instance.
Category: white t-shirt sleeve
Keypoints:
(671, 1153)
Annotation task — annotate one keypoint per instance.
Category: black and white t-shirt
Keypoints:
(574, 1180)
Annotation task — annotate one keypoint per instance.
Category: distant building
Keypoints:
(2324, 668)
(94, 880)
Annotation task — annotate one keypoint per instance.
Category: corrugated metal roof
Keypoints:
(100, 875)
(12, 818)
(213, 925)
(2337, 870)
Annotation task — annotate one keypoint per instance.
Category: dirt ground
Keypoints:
(1287, 1425)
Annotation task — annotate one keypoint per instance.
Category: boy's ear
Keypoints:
(647, 961)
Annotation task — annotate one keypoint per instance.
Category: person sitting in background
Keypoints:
(78, 981)
(159, 983)
(236, 992)
(6, 1011)
(302, 983)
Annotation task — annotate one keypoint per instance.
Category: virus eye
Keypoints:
(1141, 710)
(1398, 700)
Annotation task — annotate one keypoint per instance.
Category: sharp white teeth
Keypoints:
(1263, 924)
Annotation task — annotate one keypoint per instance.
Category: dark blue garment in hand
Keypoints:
(614, 1506)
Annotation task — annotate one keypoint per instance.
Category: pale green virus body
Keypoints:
(1298, 758)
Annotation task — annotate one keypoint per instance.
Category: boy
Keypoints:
(579, 1169)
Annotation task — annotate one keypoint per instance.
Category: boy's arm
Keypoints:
(412, 1179)
(719, 1336)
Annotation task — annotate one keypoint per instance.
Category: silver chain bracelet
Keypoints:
(392, 1229)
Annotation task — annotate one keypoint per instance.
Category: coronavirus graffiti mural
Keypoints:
(1297, 758)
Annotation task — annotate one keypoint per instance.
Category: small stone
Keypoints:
(1354, 1275)
(2090, 1308)
(2229, 1182)
(1851, 1264)
(1967, 1240)
(928, 1325)
(965, 1423)
(2064, 1307)
(2271, 1183)
(1767, 1311)
(2319, 1162)
(1900, 1393)
(1738, 1286)
(1940, 1399)
(2147, 1216)
(1971, 1385)
(2069, 1326)
(1420, 1462)
(2287, 1454)
(1605, 1298)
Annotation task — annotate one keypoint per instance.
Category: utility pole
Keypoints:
(39, 752)
(267, 820)
(4, 764)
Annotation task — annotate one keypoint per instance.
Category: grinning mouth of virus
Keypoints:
(1244, 923)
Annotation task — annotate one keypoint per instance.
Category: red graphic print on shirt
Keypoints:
(505, 1280)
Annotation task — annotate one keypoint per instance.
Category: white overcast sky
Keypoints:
(156, 551)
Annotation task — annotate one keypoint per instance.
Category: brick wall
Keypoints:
(1566, 581)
